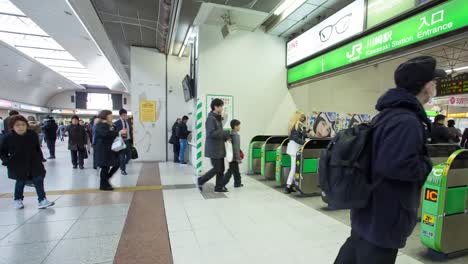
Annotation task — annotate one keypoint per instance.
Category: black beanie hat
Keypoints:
(415, 73)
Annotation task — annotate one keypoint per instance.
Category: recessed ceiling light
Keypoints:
(20, 70)
(60, 87)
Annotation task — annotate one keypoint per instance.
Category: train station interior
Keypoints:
(116, 115)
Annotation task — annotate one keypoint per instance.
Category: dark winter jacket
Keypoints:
(174, 139)
(104, 137)
(215, 137)
(440, 134)
(182, 131)
(400, 166)
(236, 149)
(23, 156)
(298, 135)
(77, 137)
(50, 129)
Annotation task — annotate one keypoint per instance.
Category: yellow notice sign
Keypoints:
(148, 111)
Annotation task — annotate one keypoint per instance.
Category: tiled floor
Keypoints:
(414, 248)
(256, 224)
(79, 229)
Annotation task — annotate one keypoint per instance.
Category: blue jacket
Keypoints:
(400, 166)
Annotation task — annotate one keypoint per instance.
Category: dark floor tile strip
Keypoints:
(145, 238)
(179, 186)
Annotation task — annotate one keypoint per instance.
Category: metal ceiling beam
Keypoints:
(14, 15)
(39, 48)
(26, 34)
(46, 58)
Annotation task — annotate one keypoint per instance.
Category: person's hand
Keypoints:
(229, 140)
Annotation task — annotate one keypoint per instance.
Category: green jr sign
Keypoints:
(434, 22)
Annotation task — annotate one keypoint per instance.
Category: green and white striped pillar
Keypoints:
(199, 129)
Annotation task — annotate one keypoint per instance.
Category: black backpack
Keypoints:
(345, 168)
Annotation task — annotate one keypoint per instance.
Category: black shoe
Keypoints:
(289, 190)
(199, 185)
(75, 167)
(123, 172)
(222, 190)
(238, 185)
(44, 160)
(51, 157)
(106, 188)
(81, 167)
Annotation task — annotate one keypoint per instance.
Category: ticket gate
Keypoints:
(268, 160)
(444, 221)
(307, 160)
(283, 163)
(255, 154)
(439, 154)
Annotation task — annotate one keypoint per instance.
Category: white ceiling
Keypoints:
(59, 20)
(306, 16)
(24, 80)
(242, 18)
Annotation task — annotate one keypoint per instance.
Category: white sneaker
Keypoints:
(18, 204)
(44, 204)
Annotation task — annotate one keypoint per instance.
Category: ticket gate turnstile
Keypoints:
(255, 154)
(268, 160)
(283, 163)
(444, 221)
(307, 161)
(439, 153)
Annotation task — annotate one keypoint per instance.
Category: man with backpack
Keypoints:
(398, 165)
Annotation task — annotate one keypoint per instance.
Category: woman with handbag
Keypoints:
(106, 159)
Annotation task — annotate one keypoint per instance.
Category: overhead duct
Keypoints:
(164, 18)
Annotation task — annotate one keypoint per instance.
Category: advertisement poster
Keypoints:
(357, 119)
(342, 25)
(444, 18)
(343, 120)
(323, 124)
(228, 113)
(148, 111)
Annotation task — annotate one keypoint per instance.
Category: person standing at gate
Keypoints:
(182, 133)
(50, 133)
(174, 140)
(297, 130)
(124, 127)
(214, 146)
(77, 140)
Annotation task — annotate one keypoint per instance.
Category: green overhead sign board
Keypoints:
(433, 22)
(379, 11)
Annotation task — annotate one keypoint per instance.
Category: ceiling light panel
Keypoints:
(19, 31)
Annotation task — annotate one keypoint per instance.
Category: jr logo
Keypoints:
(356, 51)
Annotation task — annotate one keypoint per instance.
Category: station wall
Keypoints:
(352, 92)
(148, 71)
(250, 67)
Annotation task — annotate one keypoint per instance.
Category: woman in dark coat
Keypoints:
(77, 140)
(22, 155)
(106, 159)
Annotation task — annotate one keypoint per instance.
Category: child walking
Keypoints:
(22, 155)
(236, 157)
